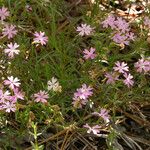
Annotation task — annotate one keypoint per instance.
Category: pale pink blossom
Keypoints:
(41, 96)
(121, 34)
(121, 67)
(12, 82)
(111, 78)
(40, 38)
(109, 21)
(122, 25)
(103, 113)
(95, 129)
(120, 38)
(4, 13)
(142, 65)
(78, 103)
(128, 80)
(147, 21)
(12, 50)
(84, 92)
(9, 106)
(13, 99)
(18, 94)
(9, 31)
(84, 29)
(1, 107)
(4, 96)
(81, 96)
(89, 54)
(130, 36)
(28, 8)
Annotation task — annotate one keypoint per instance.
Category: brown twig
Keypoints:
(69, 129)
(140, 140)
(82, 138)
(50, 138)
(140, 121)
(66, 141)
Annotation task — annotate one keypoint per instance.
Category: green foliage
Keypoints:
(62, 57)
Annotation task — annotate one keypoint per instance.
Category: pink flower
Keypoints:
(109, 21)
(89, 54)
(12, 50)
(4, 96)
(9, 31)
(84, 92)
(28, 8)
(128, 81)
(12, 82)
(9, 106)
(77, 102)
(94, 129)
(119, 38)
(4, 13)
(122, 30)
(147, 21)
(103, 113)
(40, 38)
(81, 96)
(122, 25)
(41, 96)
(130, 36)
(84, 29)
(111, 78)
(142, 65)
(121, 67)
(18, 94)
(13, 99)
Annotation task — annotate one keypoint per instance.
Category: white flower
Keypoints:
(12, 50)
(84, 29)
(53, 84)
(95, 129)
(57, 88)
(12, 82)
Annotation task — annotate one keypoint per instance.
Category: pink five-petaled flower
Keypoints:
(4, 13)
(89, 54)
(12, 82)
(94, 129)
(12, 50)
(40, 38)
(77, 102)
(28, 8)
(41, 96)
(81, 96)
(18, 94)
(109, 21)
(9, 106)
(13, 99)
(128, 80)
(122, 25)
(9, 31)
(142, 65)
(111, 78)
(4, 96)
(147, 21)
(121, 67)
(130, 36)
(84, 92)
(120, 38)
(103, 113)
(84, 29)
